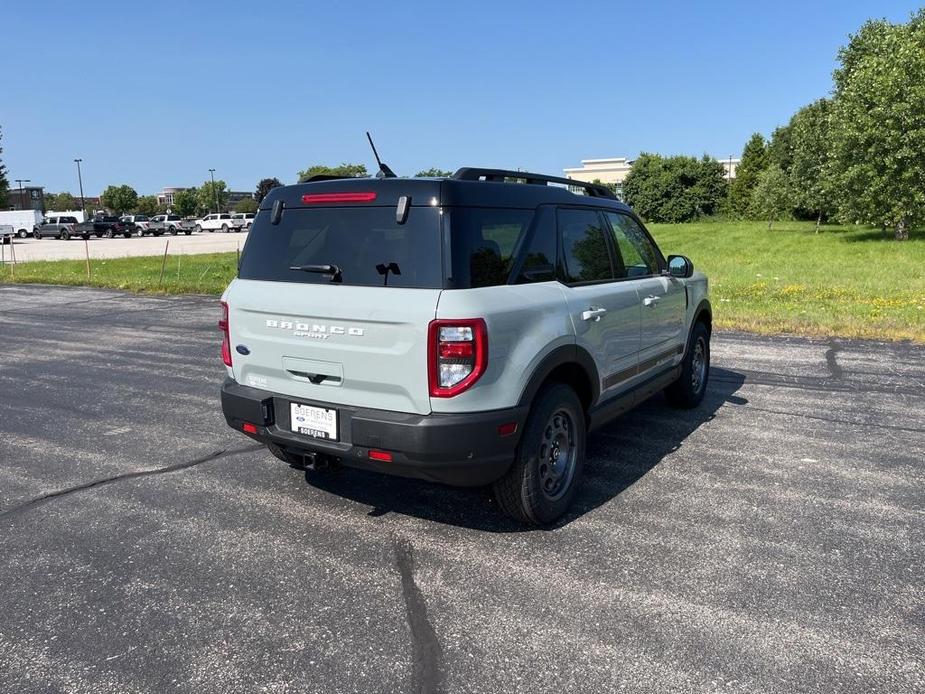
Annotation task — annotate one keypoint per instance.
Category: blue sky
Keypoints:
(154, 94)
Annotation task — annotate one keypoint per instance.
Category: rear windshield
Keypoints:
(367, 245)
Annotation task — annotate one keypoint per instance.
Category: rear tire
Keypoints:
(198, 229)
(64, 235)
(542, 481)
(23, 233)
(110, 233)
(689, 389)
(225, 228)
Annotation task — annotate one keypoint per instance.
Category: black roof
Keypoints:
(468, 187)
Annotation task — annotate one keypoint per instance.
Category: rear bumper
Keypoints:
(458, 449)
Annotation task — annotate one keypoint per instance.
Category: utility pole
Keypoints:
(729, 171)
(214, 191)
(22, 200)
(80, 181)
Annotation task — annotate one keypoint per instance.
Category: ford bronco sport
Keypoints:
(468, 330)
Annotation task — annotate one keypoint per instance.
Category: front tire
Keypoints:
(689, 389)
(541, 483)
(37, 235)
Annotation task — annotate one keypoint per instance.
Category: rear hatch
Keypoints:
(354, 333)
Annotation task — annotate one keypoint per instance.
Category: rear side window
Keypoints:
(485, 242)
(366, 244)
(585, 257)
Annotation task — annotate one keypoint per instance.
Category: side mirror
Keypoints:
(680, 266)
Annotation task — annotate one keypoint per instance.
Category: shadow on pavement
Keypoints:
(618, 456)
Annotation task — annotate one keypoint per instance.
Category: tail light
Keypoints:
(457, 354)
(226, 338)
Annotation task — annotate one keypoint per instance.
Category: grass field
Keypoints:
(843, 282)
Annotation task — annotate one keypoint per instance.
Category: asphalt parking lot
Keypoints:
(770, 541)
(74, 249)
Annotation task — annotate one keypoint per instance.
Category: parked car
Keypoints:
(215, 222)
(169, 224)
(468, 330)
(58, 227)
(23, 221)
(241, 221)
(103, 225)
(139, 224)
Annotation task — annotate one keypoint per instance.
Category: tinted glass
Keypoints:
(484, 244)
(365, 243)
(540, 256)
(172, 218)
(68, 220)
(584, 246)
(637, 256)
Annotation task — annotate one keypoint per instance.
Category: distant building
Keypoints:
(232, 197)
(614, 171)
(29, 198)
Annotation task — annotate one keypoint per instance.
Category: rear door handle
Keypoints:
(650, 301)
(593, 313)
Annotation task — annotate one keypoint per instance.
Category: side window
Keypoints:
(638, 257)
(485, 241)
(539, 264)
(585, 257)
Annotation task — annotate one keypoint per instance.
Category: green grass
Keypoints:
(842, 282)
(183, 274)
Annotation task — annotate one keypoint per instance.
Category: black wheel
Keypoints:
(110, 233)
(690, 387)
(158, 233)
(36, 235)
(540, 484)
(173, 231)
(198, 229)
(85, 237)
(188, 232)
(225, 228)
(139, 232)
(64, 235)
(23, 233)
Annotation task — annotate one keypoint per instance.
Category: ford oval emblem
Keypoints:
(242, 349)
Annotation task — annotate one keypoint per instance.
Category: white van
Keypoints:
(22, 221)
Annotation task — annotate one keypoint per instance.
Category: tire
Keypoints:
(689, 389)
(157, 233)
(198, 229)
(127, 234)
(110, 234)
(64, 235)
(172, 230)
(225, 228)
(85, 237)
(22, 233)
(188, 232)
(36, 235)
(139, 232)
(533, 490)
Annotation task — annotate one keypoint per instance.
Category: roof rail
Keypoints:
(466, 173)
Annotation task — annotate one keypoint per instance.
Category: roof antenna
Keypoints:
(384, 170)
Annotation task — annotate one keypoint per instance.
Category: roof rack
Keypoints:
(466, 173)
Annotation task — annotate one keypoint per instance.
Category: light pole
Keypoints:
(80, 181)
(214, 192)
(729, 171)
(22, 200)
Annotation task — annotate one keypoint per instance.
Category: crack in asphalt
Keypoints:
(51, 496)
(428, 657)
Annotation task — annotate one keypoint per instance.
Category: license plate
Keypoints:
(318, 422)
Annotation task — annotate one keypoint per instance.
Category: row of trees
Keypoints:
(354, 170)
(4, 182)
(858, 156)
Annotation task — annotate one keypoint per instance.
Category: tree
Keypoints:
(208, 194)
(61, 202)
(344, 169)
(4, 182)
(119, 198)
(147, 204)
(186, 202)
(264, 187)
(810, 160)
(674, 189)
(780, 148)
(433, 173)
(754, 161)
(878, 126)
(246, 205)
(771, 198)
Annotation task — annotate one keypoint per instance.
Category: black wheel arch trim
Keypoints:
(703, 307)
(561, 356)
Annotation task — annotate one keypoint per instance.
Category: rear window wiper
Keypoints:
(336, 275)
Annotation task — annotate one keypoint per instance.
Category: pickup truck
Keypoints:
(101, 225)
(170, 224)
